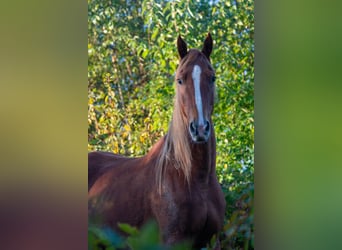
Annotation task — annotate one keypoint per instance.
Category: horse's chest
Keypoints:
(203, 221)
(194, 213)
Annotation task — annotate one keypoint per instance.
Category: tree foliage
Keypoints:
(132, 58)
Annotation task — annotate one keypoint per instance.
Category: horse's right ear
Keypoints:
(208, 46)
(182, 47)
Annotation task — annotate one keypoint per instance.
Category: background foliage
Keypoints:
(132, 58)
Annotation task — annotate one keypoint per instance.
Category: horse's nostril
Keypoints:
(193, 128)
(207, 126)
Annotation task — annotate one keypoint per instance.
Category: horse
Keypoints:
(175, 183)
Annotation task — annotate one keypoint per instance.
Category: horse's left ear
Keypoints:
(208, 46)
(182, 47)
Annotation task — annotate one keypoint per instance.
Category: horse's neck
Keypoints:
(203, 159)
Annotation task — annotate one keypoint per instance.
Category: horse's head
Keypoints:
(195, 80)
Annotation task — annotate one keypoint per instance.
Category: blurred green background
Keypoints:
(298, 125)
(43, 125)
(132, 59)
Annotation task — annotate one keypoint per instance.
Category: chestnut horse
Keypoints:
(175, 183)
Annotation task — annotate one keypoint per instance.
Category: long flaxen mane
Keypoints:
(176, 150)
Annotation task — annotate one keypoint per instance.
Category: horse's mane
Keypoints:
(176, 150)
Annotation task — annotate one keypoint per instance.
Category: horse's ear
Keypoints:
(182, 47)
(208, 46)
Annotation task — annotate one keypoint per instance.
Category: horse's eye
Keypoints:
(213, 79)
(179, 81)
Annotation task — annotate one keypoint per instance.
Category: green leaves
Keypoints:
(147, 238)
(132, 231)
(103, 238)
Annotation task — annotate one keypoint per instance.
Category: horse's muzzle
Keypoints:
(199, 132)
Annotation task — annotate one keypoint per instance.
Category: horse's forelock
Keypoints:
(192, 56)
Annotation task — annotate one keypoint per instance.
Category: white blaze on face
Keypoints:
(196, 76)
